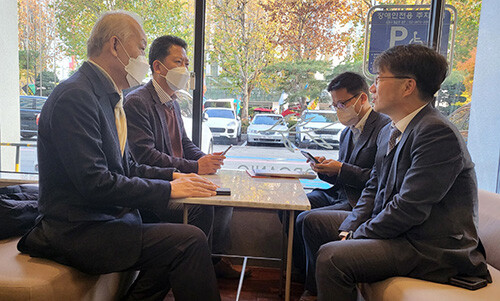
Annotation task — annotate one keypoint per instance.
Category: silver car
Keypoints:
(267, 128)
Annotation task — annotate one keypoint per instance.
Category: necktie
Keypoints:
(393, 138)
(355, 134)
(121, 124)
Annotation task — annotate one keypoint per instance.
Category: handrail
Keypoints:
(18, 147)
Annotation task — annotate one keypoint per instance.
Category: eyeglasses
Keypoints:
(377, 79)
(342, 104)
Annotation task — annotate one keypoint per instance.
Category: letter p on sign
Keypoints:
(398, 33)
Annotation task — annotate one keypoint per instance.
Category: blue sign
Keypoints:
(392, 28)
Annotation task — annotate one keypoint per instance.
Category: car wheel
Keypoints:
(27, 136)
(235, 141)
(302, 144)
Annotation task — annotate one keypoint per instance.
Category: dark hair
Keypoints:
(160, 48)
(422, 63)
(352, 82)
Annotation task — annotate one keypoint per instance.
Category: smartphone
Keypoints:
(468, 282)
(309, 156)
(223, 191)
(224, 152)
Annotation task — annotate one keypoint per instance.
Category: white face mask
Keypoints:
(348, 116)
(177, 78)
(136, 69)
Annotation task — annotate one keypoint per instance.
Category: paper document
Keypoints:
(281, 174)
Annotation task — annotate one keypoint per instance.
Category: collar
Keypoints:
(403, 123)
(361, 124)
(162, 95)
(106, 74)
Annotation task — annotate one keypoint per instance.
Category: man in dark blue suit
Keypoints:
(91, 190)
(417, 215)
(357, 147)
(357, 151)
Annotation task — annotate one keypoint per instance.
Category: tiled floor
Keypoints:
(263, 285)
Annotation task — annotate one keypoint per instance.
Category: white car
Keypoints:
(185, 101)
(223, 122)
(318, 127)
(267, 128)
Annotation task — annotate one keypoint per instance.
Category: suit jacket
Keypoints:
(89, 193)
(357, 160)
(148, 133)
(429, 199)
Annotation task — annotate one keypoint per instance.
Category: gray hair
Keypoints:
(111, 23)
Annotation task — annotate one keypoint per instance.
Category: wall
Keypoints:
(484, 124)
(9, 83)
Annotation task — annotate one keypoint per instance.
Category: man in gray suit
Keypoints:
(91, 190)
(157, 136)
(417, 215)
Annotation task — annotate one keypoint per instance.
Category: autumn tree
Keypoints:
(161, 17)
(239, 42)
(37, 41)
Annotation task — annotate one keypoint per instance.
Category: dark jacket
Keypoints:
(89, 193)
(357, 162)
(429, 197)
(148, 136)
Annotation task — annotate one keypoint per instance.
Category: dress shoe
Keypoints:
(224, 269)
(308, 296)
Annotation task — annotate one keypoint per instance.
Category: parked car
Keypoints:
(223, 122)
(316, 126)
(185, 101)
(220, 103)
(30, 108)
(268, 128)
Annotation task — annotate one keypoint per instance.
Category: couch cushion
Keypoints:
(25, 278)
(489, 226)
(409, 289)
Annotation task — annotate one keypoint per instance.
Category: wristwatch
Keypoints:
(346, 234)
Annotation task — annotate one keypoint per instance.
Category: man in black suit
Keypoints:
(417, 215)
(91, 189)
(357, 146)
(357, 151)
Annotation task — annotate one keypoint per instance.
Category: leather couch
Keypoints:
(409, 289)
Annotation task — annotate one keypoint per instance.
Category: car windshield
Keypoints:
(269, 120)
(220, 113)
(320, 117)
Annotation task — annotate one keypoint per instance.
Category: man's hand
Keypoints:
(210, 163)
(191, 185)
(327, 166)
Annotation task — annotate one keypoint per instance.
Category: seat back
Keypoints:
(489, 226)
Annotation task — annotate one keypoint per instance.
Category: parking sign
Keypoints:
(401, 27)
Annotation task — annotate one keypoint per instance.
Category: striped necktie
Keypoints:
(121, 124)
(395, 133)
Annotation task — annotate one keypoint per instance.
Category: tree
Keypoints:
(240, 43)
(300, 80)
(308, 29)
(161, 17)
(37, 39)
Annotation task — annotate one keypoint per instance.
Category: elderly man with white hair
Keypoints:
(91, 190)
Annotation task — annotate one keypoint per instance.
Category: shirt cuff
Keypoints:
(340, 169)
(343, 234)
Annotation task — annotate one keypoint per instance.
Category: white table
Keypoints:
(10, 178)
(264, 193)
